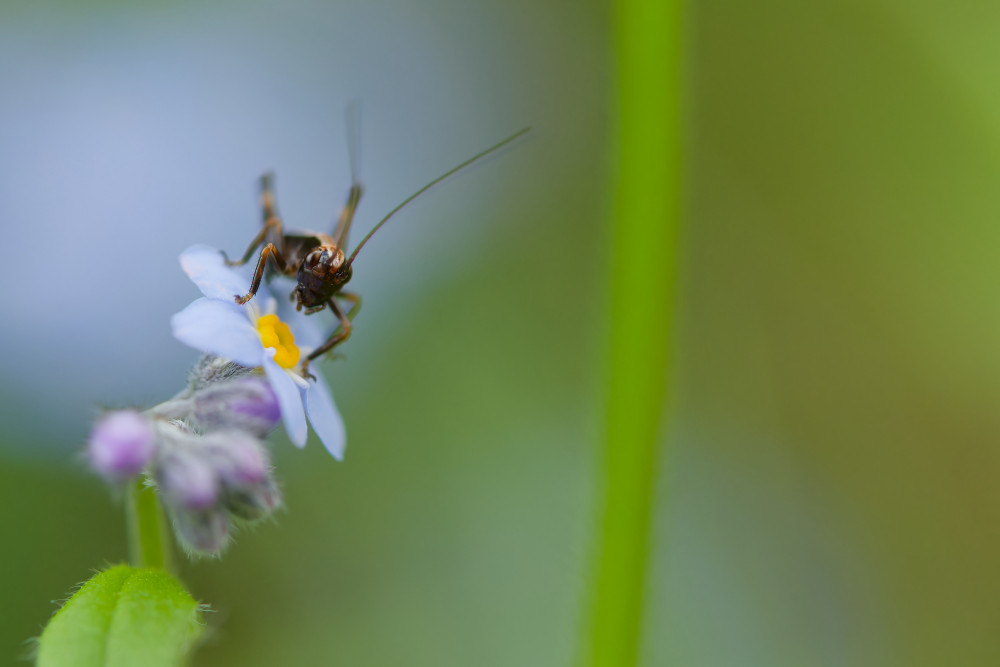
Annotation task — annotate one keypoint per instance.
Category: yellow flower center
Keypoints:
(275, 333)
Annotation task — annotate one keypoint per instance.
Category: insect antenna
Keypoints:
(353, 123)
(430, 185)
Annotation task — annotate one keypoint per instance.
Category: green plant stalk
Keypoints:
(148, 539)
(647, 190)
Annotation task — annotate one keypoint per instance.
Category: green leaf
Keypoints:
(123, 616)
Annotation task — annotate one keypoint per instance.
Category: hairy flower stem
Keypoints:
(148, 539)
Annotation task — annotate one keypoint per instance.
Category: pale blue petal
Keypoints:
(205, 266)
(289, 398)
(282, 287)
(324, 417)
(220, 328)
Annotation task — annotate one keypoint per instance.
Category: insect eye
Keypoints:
(313, 259)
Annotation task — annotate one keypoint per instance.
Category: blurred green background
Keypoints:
(829, 496)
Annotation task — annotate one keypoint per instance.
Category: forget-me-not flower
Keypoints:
(259, 338)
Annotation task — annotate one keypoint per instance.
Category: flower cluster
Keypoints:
(203, 450)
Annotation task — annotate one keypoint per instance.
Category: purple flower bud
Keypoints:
(202, 532)
(248, 404)
(121, 445)
(238, 458)
(254, 503)
(187, 481)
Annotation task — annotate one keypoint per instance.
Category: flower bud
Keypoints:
(120, 445)
(203, 532)
(248, 404)
(211, 369)
(256, 502)
(238, 458)
(186, 480)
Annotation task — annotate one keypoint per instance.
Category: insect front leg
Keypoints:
(355, 300)
(342, 333)
(268, 251)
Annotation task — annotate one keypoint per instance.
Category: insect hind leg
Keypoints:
(272, 230)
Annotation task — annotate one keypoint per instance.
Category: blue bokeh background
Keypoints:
(829, 496)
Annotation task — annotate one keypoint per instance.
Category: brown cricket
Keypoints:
(316, 260)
